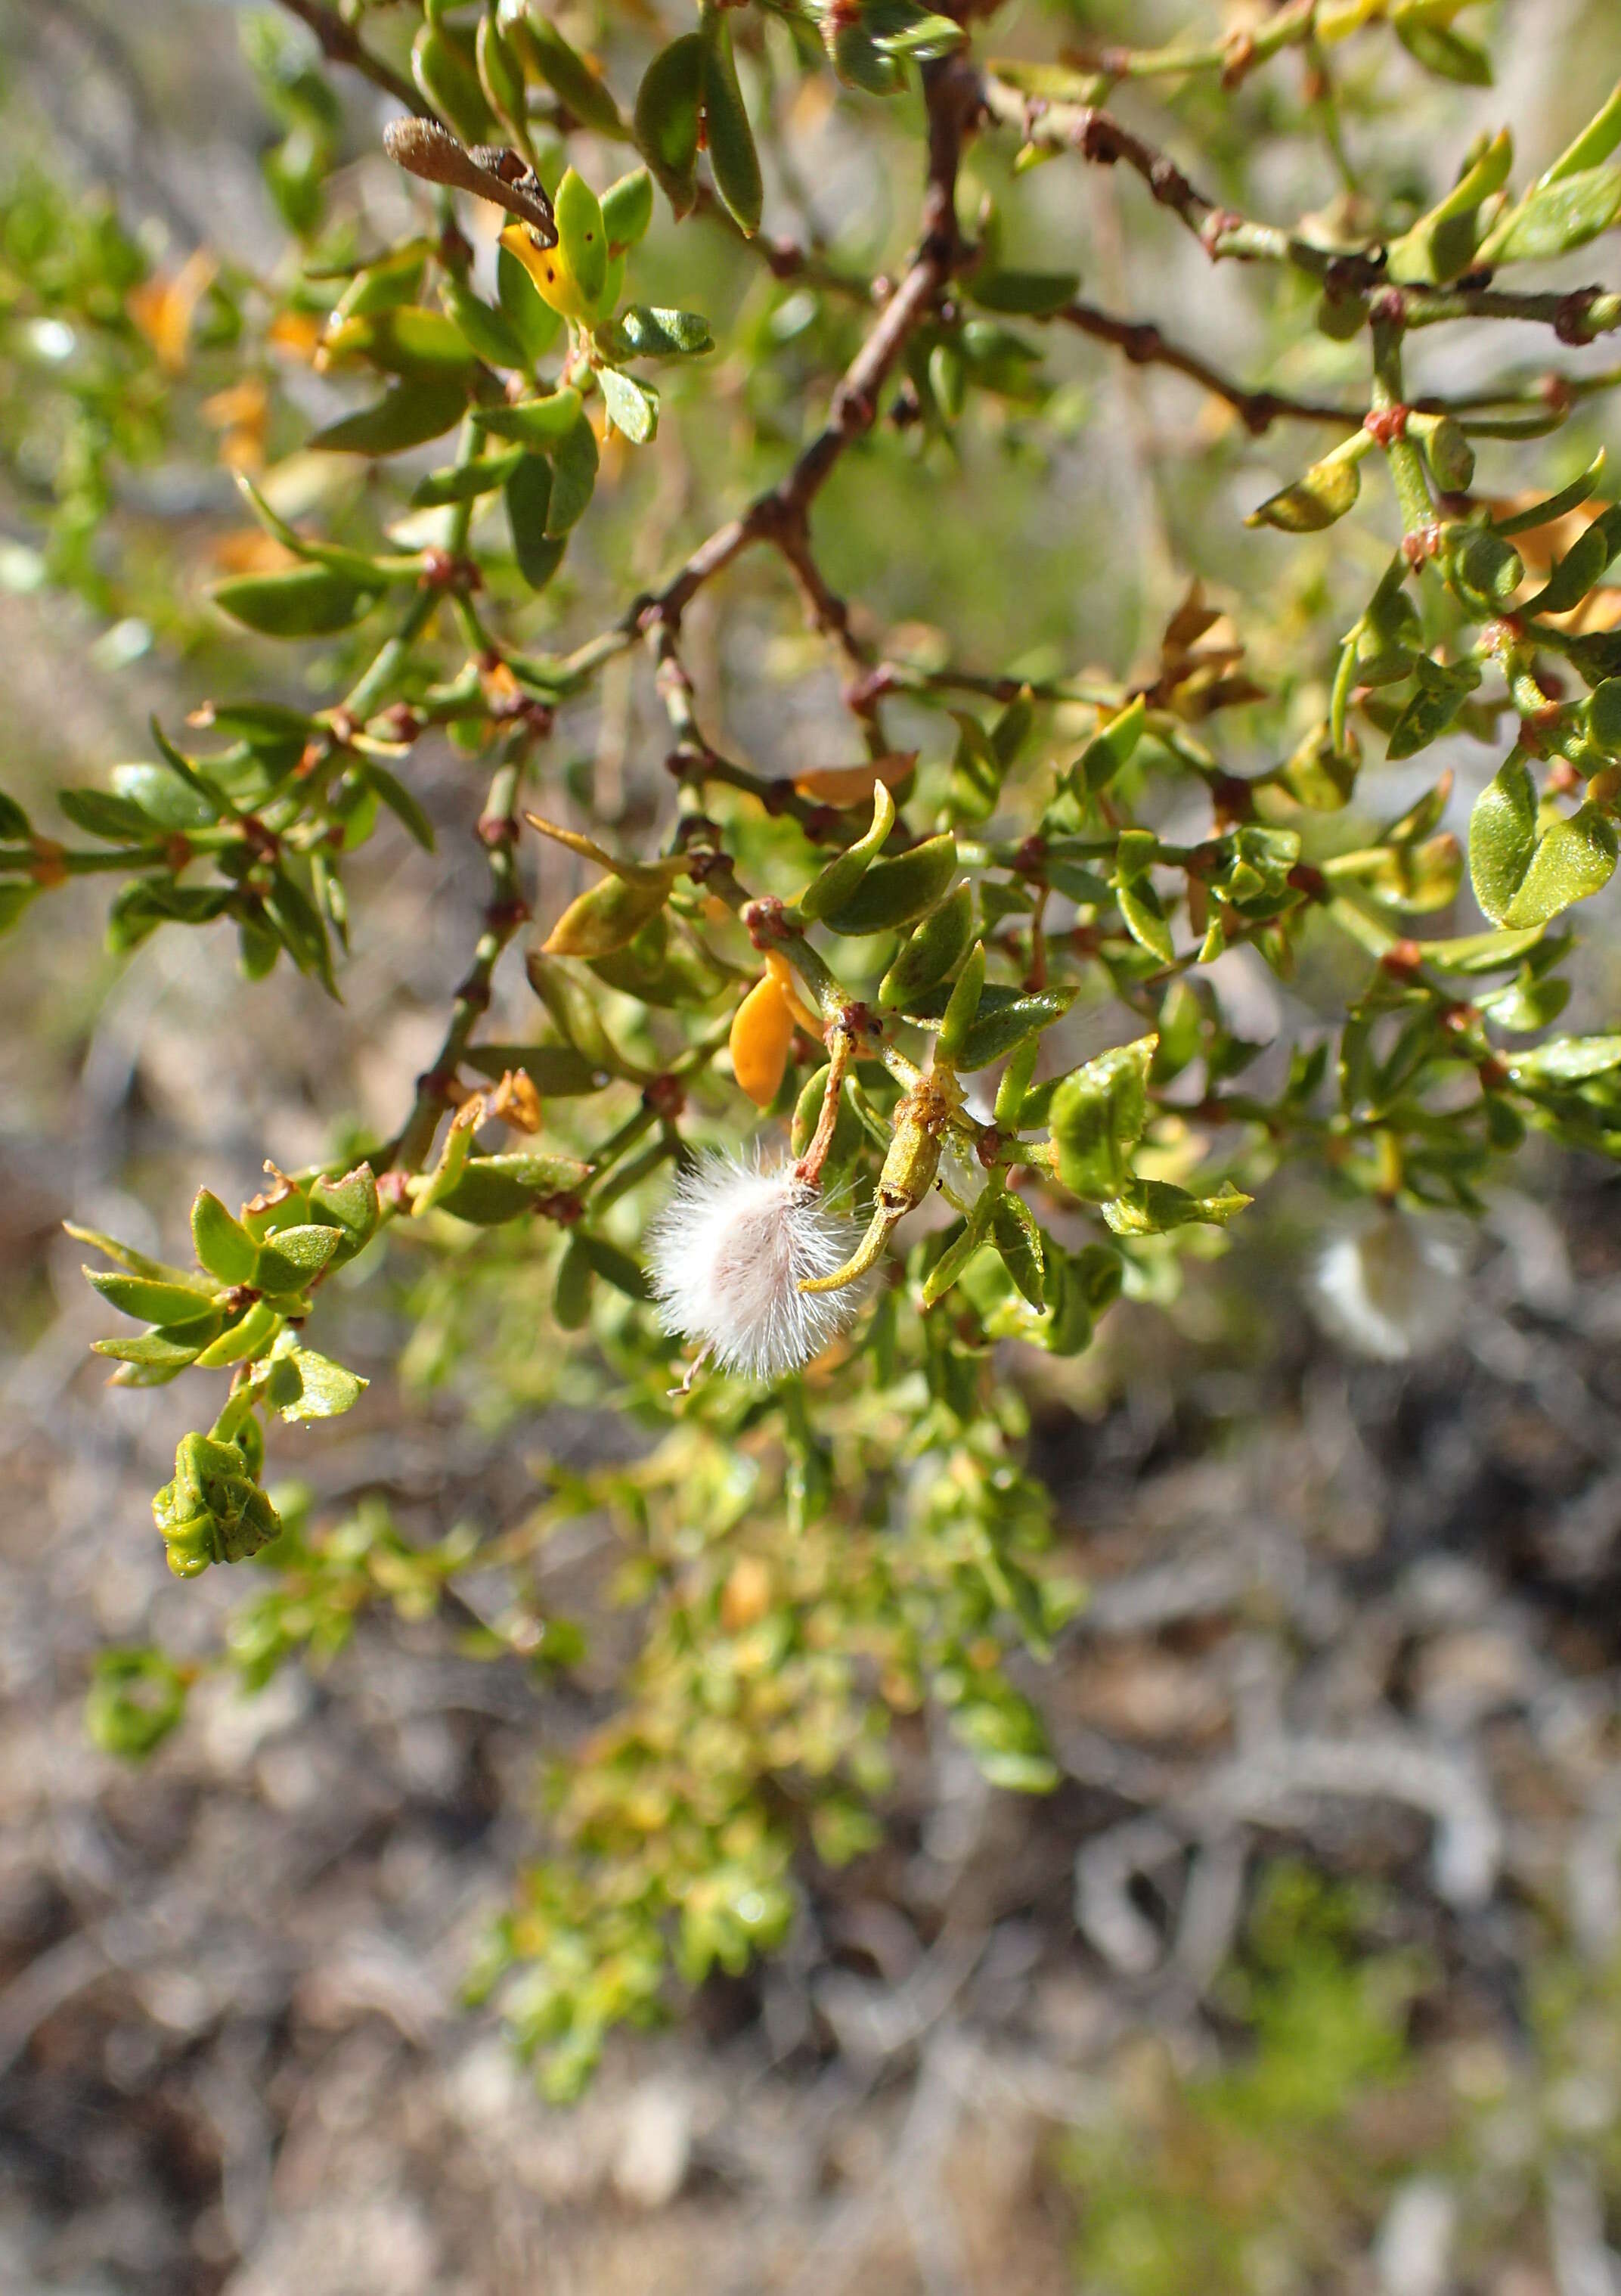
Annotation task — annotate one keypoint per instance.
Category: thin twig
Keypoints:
(780, 514)
(1096, 135)
(504, 912)
(1144, 345)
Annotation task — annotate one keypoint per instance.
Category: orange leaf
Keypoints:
(853, 785)
(250, 550)
(297, 333)
(163, 308)
(762, 1030)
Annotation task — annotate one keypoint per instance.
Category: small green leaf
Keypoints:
(727, 133)
(581, 235)
(607, 916)
(1479, 952)
(1144, 917)
(167, 801)
(974, 1233)
(305, 601)
(162, 1304)
(1111, 747)
(1015, 1083)
(485, 331)
(668, 119)
(223, 1244)
(528, 504)
(1319, 776)
(1555, 218)
(112, 818)
(1441, 50)
(413, 343)
(1483, 566)
(612, 1265)
(574, 475)
(152, 1350)
(1502, 837)
(399, 801)
(493, 1189)
(937, 944)
(407, 414)
(325, 1389)
(1019, 1240)
(1554, 506)
(900, 29)
(897, 889)
(642, 331)
(836, 883)
(293, 1255)
(1442, 691)
(1024, 294)
(1604, 715)
(1575, 859)
(1575, 575)
(976, 772)
(998, 1026)
(347, 1202)
(856, 57)
(627, 207)
(1317, 497)
(571, 1292)
(1154, 1207)
(1389, 638)
(632, 407)
(1098, 1116)
(538, 423)
(1443, 242)
(960, 1007)
(444, 67)
(1450, 456)
(242, 1341)
(500, 75)
(1568, 1060)
(137, 1263)
(570, 76)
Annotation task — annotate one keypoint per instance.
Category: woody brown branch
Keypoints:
(950, 91)
(1097, 135)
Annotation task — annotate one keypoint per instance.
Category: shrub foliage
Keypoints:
(882, 951)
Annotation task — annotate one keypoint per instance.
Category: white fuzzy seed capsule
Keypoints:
(728, 1252)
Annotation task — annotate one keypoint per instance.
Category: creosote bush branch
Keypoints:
(888, 953)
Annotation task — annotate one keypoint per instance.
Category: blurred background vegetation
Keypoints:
(1307, 1975)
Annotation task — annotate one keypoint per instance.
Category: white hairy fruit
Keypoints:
(728, 1252)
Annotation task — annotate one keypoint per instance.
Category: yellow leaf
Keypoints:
(550, 270)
